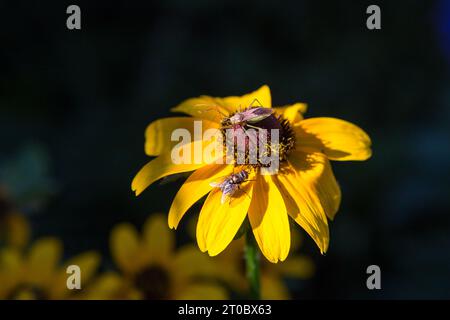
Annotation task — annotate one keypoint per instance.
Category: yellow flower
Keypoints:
(272, 276)
(14, 229)
(38, 275)
(232, 270)
(151, 268)
(304, 187)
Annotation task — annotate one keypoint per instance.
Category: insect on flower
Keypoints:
(247, 118)
(230, 184)
(238, 123)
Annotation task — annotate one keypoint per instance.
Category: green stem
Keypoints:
(252, 265)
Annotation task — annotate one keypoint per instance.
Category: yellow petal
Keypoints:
(158, 134)
(258, 98)
(190, 263)
(125, 247)
(215, 109)
(314, 168)
(338, 139)
(43, 258)
(273, 288)
(18, 230)
(111, 286)
(11, 270)
(158, 168)
(202, 291)
(292, 113)
(203, 107)
(309, 214)
(289, 202)
(301, 267)
(218, 223)
(88, 263)
(158, 239)
(269, 220)
(195, 187)
(104, 287)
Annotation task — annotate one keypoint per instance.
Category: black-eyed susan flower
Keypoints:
(303, 187)
(35, 271)
(38, 272)
(151, 268)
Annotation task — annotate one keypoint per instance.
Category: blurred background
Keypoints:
(74, 106)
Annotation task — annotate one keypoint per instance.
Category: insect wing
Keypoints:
(220, 182)
(227, 191)
(256, 114)
(216, 184)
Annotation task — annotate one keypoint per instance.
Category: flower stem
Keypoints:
(252, 265)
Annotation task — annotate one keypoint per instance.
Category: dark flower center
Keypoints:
(252, 134)
(154, 283)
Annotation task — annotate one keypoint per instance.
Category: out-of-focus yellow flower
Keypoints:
(35, 273)
(304, 187)
(151, 268)
(38, 274)
(14, 229)
(273, 287)
(273, 276)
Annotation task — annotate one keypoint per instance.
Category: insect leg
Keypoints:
(239, 188)
(251, 126)
(209, 109)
